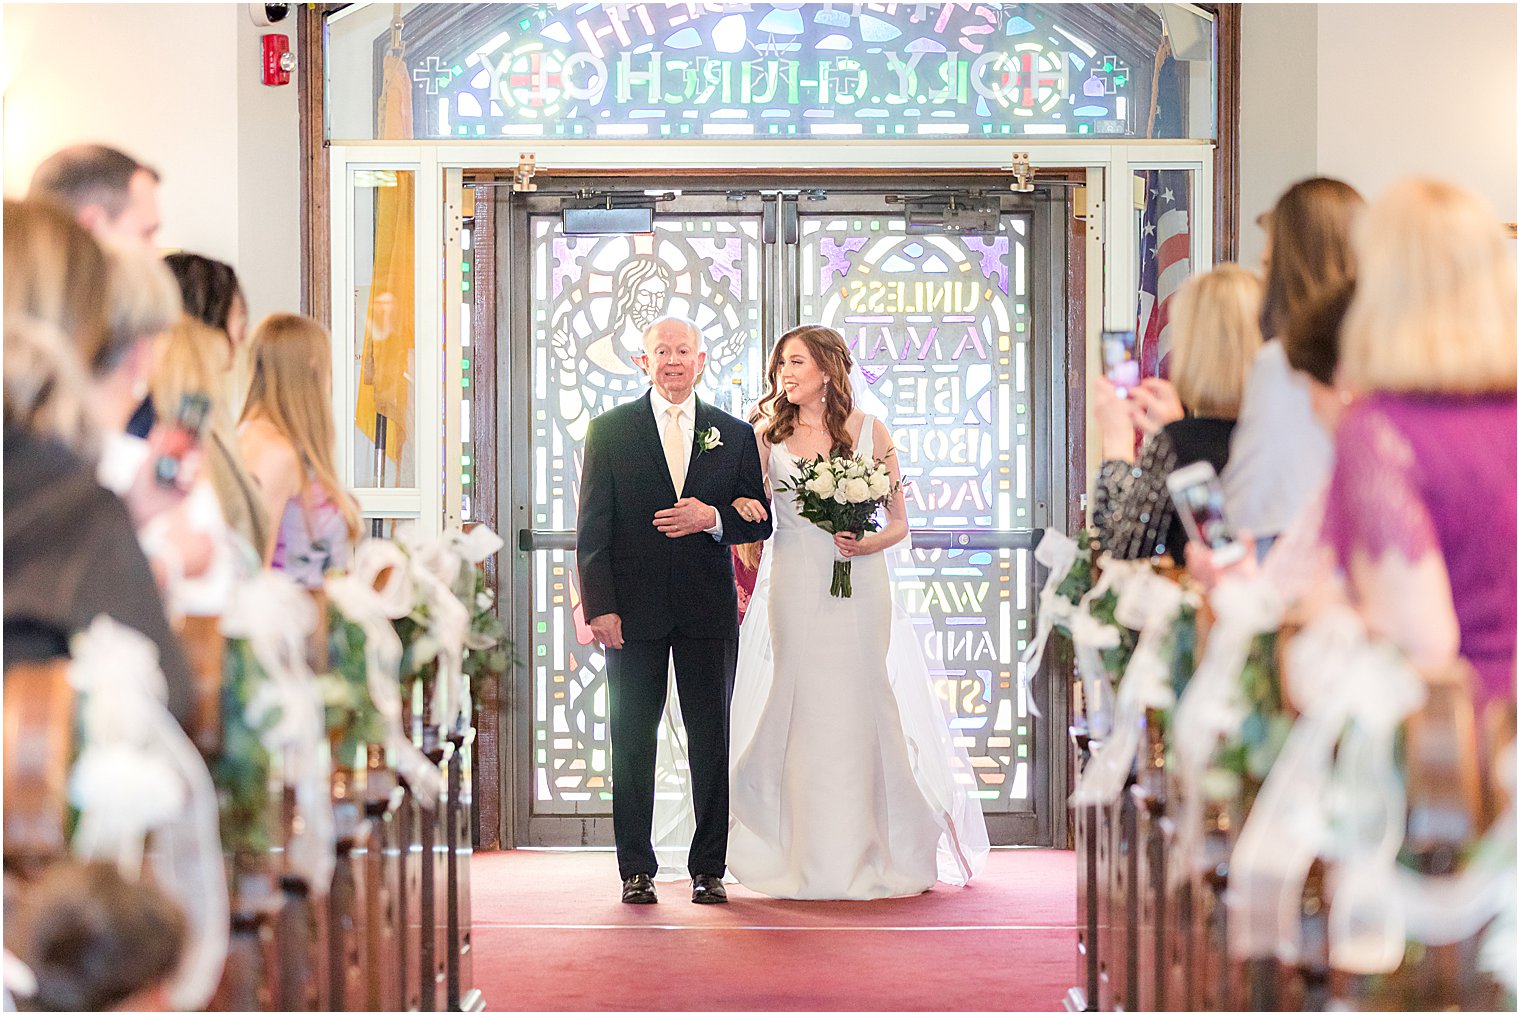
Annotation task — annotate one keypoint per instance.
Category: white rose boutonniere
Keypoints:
(708, 439)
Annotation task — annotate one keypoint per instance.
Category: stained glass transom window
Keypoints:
(785, 70)
(592, 298)
(940, 329)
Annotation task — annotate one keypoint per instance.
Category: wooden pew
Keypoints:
(1084, 997)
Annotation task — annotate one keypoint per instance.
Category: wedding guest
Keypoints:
(70, 547)
(108, 192)
(287, 440)
(1421, 505)
(1299, 565)
(95, 941)
(210, 293)
(1280, 454)
(190, 362)
(1214, 320)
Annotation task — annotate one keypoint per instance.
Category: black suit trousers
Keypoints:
(637, 684)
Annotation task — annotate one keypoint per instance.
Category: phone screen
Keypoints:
(1119, 363)
(1200, 506)
(181, 436)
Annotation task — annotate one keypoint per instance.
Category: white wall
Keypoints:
(176, 86)
(1419, 88)
(1372, 92)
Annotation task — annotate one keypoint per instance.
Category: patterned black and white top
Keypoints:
(1132, 512)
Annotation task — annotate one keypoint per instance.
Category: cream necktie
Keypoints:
(675, 447)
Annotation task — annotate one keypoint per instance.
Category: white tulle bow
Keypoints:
(373, 609)
(276, 616)
(1213, 703)
(438, 575)
(1149, 604)
(142, 790)
(1345, 805)
(1091, 637)
(1058, 552)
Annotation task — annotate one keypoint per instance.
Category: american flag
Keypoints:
(1165, 231)
(1165, 263)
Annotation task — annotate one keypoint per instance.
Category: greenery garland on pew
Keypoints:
(353, 722)
(1079, 581)
(1243, 760)
(241, 768)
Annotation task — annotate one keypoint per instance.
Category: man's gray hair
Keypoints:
(686, 322)
(85, 175)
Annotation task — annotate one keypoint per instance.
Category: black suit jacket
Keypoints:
(627, 566)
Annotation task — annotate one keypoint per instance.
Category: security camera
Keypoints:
(265, 15)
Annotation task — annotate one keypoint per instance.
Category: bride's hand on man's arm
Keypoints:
(751, 510)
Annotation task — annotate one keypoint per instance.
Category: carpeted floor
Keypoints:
(551, 935)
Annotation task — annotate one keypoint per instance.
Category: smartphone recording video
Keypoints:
(180, 437)
(1120, 364)
(1199, 499)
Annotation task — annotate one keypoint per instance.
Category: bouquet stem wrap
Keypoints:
(276, 616)
(1213, 703)
(138, 783)
(1148, 603)
(841, 587)
(355, 595)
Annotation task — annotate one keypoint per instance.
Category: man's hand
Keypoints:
(607, 629)
(689, 516)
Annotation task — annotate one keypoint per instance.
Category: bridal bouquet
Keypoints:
(841, 494)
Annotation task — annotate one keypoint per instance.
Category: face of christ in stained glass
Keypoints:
(640, 296)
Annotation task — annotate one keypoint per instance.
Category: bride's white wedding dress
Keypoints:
(845, 780)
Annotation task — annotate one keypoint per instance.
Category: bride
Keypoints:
(845, 781)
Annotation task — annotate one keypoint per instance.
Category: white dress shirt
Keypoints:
(687, 421)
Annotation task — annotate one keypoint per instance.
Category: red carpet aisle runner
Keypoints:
(551, 935)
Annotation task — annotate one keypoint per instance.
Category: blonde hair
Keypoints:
(45, 386)
(142, 298)
(186, 365)
(1216, 325)
(1435, 298)
(290, 356)
(56, 275)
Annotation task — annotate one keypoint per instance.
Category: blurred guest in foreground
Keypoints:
(71, 549)
(1280, 454)
(1421, 505)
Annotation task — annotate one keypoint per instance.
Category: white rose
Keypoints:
(857, 491)
(839, 497)
(881, 485)
(821, 484)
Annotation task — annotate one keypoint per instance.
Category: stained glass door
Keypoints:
(956, 348)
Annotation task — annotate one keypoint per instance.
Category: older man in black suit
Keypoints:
(657, 487)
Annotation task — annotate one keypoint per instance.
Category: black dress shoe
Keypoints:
(639, 890)
(708, 890)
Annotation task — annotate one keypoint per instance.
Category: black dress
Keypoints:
(1132, 511)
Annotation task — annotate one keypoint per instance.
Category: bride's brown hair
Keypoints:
(829, 351)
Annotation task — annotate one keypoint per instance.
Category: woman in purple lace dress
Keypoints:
(1421, 506)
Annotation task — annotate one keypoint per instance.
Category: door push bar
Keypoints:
(529, 540)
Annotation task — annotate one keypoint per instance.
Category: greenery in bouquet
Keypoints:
(352, 719)
(241, 769)
(1245, 757)
(842, 494)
